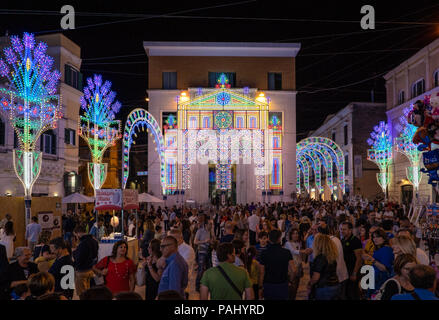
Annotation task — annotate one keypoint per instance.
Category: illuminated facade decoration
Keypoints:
(223, 127)
(405, 145)
(97, 125)
(320, 153)
(30, 102)
(381, 152)
(233, 143)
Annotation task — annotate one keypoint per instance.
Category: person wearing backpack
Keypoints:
(400, 283)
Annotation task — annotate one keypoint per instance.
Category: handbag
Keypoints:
(100, 279)
(140, 276)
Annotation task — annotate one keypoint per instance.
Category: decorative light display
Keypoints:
(97, 125)
(381, 152)
(30, 101)
(318, 151)
(139, 119)
(222, 82)
(404, 144)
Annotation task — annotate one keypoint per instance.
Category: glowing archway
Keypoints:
(320, 151)
(139, 119)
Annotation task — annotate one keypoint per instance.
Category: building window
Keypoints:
(274, 81)
(15, 140)
(72, 77)
(418, 88)
(401, 97)
(436, 78)
(48, 142)
(169, 80)
(345, 134)
(2, 132)
(70, 136)
(333, 136)
(346, 164)
(214, 76)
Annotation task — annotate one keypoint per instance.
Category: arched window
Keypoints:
(401, 97)
(418, 88)
(48, 142)
(436, 78)
(2, 132)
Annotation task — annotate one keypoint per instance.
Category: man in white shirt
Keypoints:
(253, 222)
(188, 253)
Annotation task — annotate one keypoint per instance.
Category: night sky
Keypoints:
(335, 53)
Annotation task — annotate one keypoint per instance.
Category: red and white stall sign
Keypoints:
(108, 199)
(130, 199)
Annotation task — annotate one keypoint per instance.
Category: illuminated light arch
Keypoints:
(304, 167)
(328, 153)
(327, 164)
(316, 165)
(139, 119)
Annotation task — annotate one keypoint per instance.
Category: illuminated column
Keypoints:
(381, 153)
(30, 100)
(97, 126)
(405, 146)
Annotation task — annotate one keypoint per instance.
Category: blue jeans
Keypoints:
(68, 238)
(276, 291)
(327, 293)
(202, 266)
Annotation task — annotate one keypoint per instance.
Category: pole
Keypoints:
(122, 224)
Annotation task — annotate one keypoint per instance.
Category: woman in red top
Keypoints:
(119, 271)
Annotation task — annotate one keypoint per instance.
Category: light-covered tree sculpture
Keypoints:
(404, 144)
(30, 101)
(381, 153)
(97, 125)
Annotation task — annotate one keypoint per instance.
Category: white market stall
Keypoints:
(112, 199)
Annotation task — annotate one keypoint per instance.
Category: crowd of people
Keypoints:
(254, 251)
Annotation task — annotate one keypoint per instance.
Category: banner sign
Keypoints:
(108, 199)
(45, 219)
(130, 199)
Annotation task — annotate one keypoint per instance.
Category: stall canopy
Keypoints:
(146, 197)
(77, 198)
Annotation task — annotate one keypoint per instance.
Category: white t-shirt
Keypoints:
(422, 257)
(342, 270)
(345, 212)
(132, 229)
(188, 253)
(253, 221)
(8, 242)
(388, 214)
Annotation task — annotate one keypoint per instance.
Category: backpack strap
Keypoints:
(229, 281)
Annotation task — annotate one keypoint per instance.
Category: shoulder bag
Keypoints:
(239, 292)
